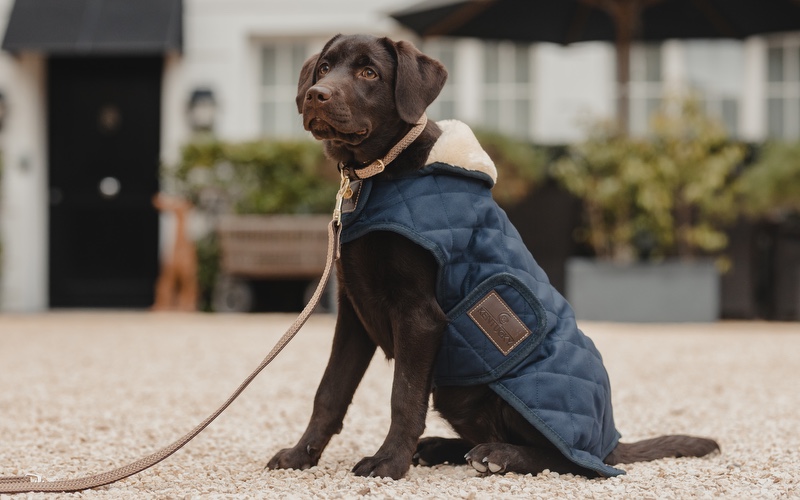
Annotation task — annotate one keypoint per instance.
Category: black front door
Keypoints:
(104, 127)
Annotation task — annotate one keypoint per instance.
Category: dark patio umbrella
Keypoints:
(620, 21)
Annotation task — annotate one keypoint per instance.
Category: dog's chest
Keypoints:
(368, 300)
(390, 283)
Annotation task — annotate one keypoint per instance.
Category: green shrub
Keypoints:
(668, 194)
(263, 177)
(770, 187)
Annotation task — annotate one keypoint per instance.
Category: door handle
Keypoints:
(109, 187)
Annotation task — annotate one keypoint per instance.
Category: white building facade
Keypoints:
(247, 53)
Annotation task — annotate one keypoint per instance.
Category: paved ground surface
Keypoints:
(84, 392)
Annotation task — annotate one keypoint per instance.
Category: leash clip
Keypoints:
(344, 192)
(34, 478)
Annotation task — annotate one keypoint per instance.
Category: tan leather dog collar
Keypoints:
(379, 166)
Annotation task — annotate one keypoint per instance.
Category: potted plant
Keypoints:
(654, 210)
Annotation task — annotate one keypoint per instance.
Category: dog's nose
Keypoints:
(318, 92)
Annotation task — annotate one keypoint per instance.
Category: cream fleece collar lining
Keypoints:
(458, 146)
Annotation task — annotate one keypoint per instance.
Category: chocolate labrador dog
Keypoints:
(432, 272)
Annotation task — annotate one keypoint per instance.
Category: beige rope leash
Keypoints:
(32, 483)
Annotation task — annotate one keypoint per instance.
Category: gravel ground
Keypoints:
(83, 392)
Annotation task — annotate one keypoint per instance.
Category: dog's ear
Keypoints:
(306, 80)
(418, 81)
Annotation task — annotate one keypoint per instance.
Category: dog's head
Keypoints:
(361, 93)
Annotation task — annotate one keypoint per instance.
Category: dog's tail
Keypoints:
(661, 447)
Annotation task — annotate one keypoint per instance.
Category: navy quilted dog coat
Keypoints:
(509, 328)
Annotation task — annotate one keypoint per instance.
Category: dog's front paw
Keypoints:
(382, 466)
(299, 458)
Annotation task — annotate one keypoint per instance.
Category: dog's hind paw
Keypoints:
(436, 450)
(499, 458)
(485, 466)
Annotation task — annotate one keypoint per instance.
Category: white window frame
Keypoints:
(445, 50)
(508, 92)
(642, 91)
(787, 89)
(283, 122)
(713, 97)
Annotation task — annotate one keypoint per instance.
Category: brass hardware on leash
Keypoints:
(344, 193)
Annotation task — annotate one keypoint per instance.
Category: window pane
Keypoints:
(492, 63)
(439, 109)
(775, 64)
(298, 58)
(521, 64)
(637, 117)
(797, 64)
(447, 109)
(645, 87)
(730, 115)
(775, 128)
(268, 66)
(651, 106)
(444, 52)
(288, 119)
(280, 65)
(640, 113)
(522, 117)
(646, 63)
(506, 95)
(268, 118)
(491, 113)
(652, 63)
(447, 56)
(716, 67)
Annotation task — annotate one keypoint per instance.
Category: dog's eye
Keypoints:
(323, 68)
(369, 73)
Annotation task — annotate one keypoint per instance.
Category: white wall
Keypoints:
(752, 120)
(574, 86)
(23, 212)
(221, 52)
(23, 200)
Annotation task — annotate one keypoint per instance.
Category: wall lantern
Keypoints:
(3, 109)
(202, 110)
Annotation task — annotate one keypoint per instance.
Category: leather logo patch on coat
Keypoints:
(499, 323)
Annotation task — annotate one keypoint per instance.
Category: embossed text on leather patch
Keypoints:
(499, 323)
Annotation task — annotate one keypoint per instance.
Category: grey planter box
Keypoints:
(670, 291)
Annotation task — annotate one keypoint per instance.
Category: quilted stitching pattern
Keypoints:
(555, 377)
